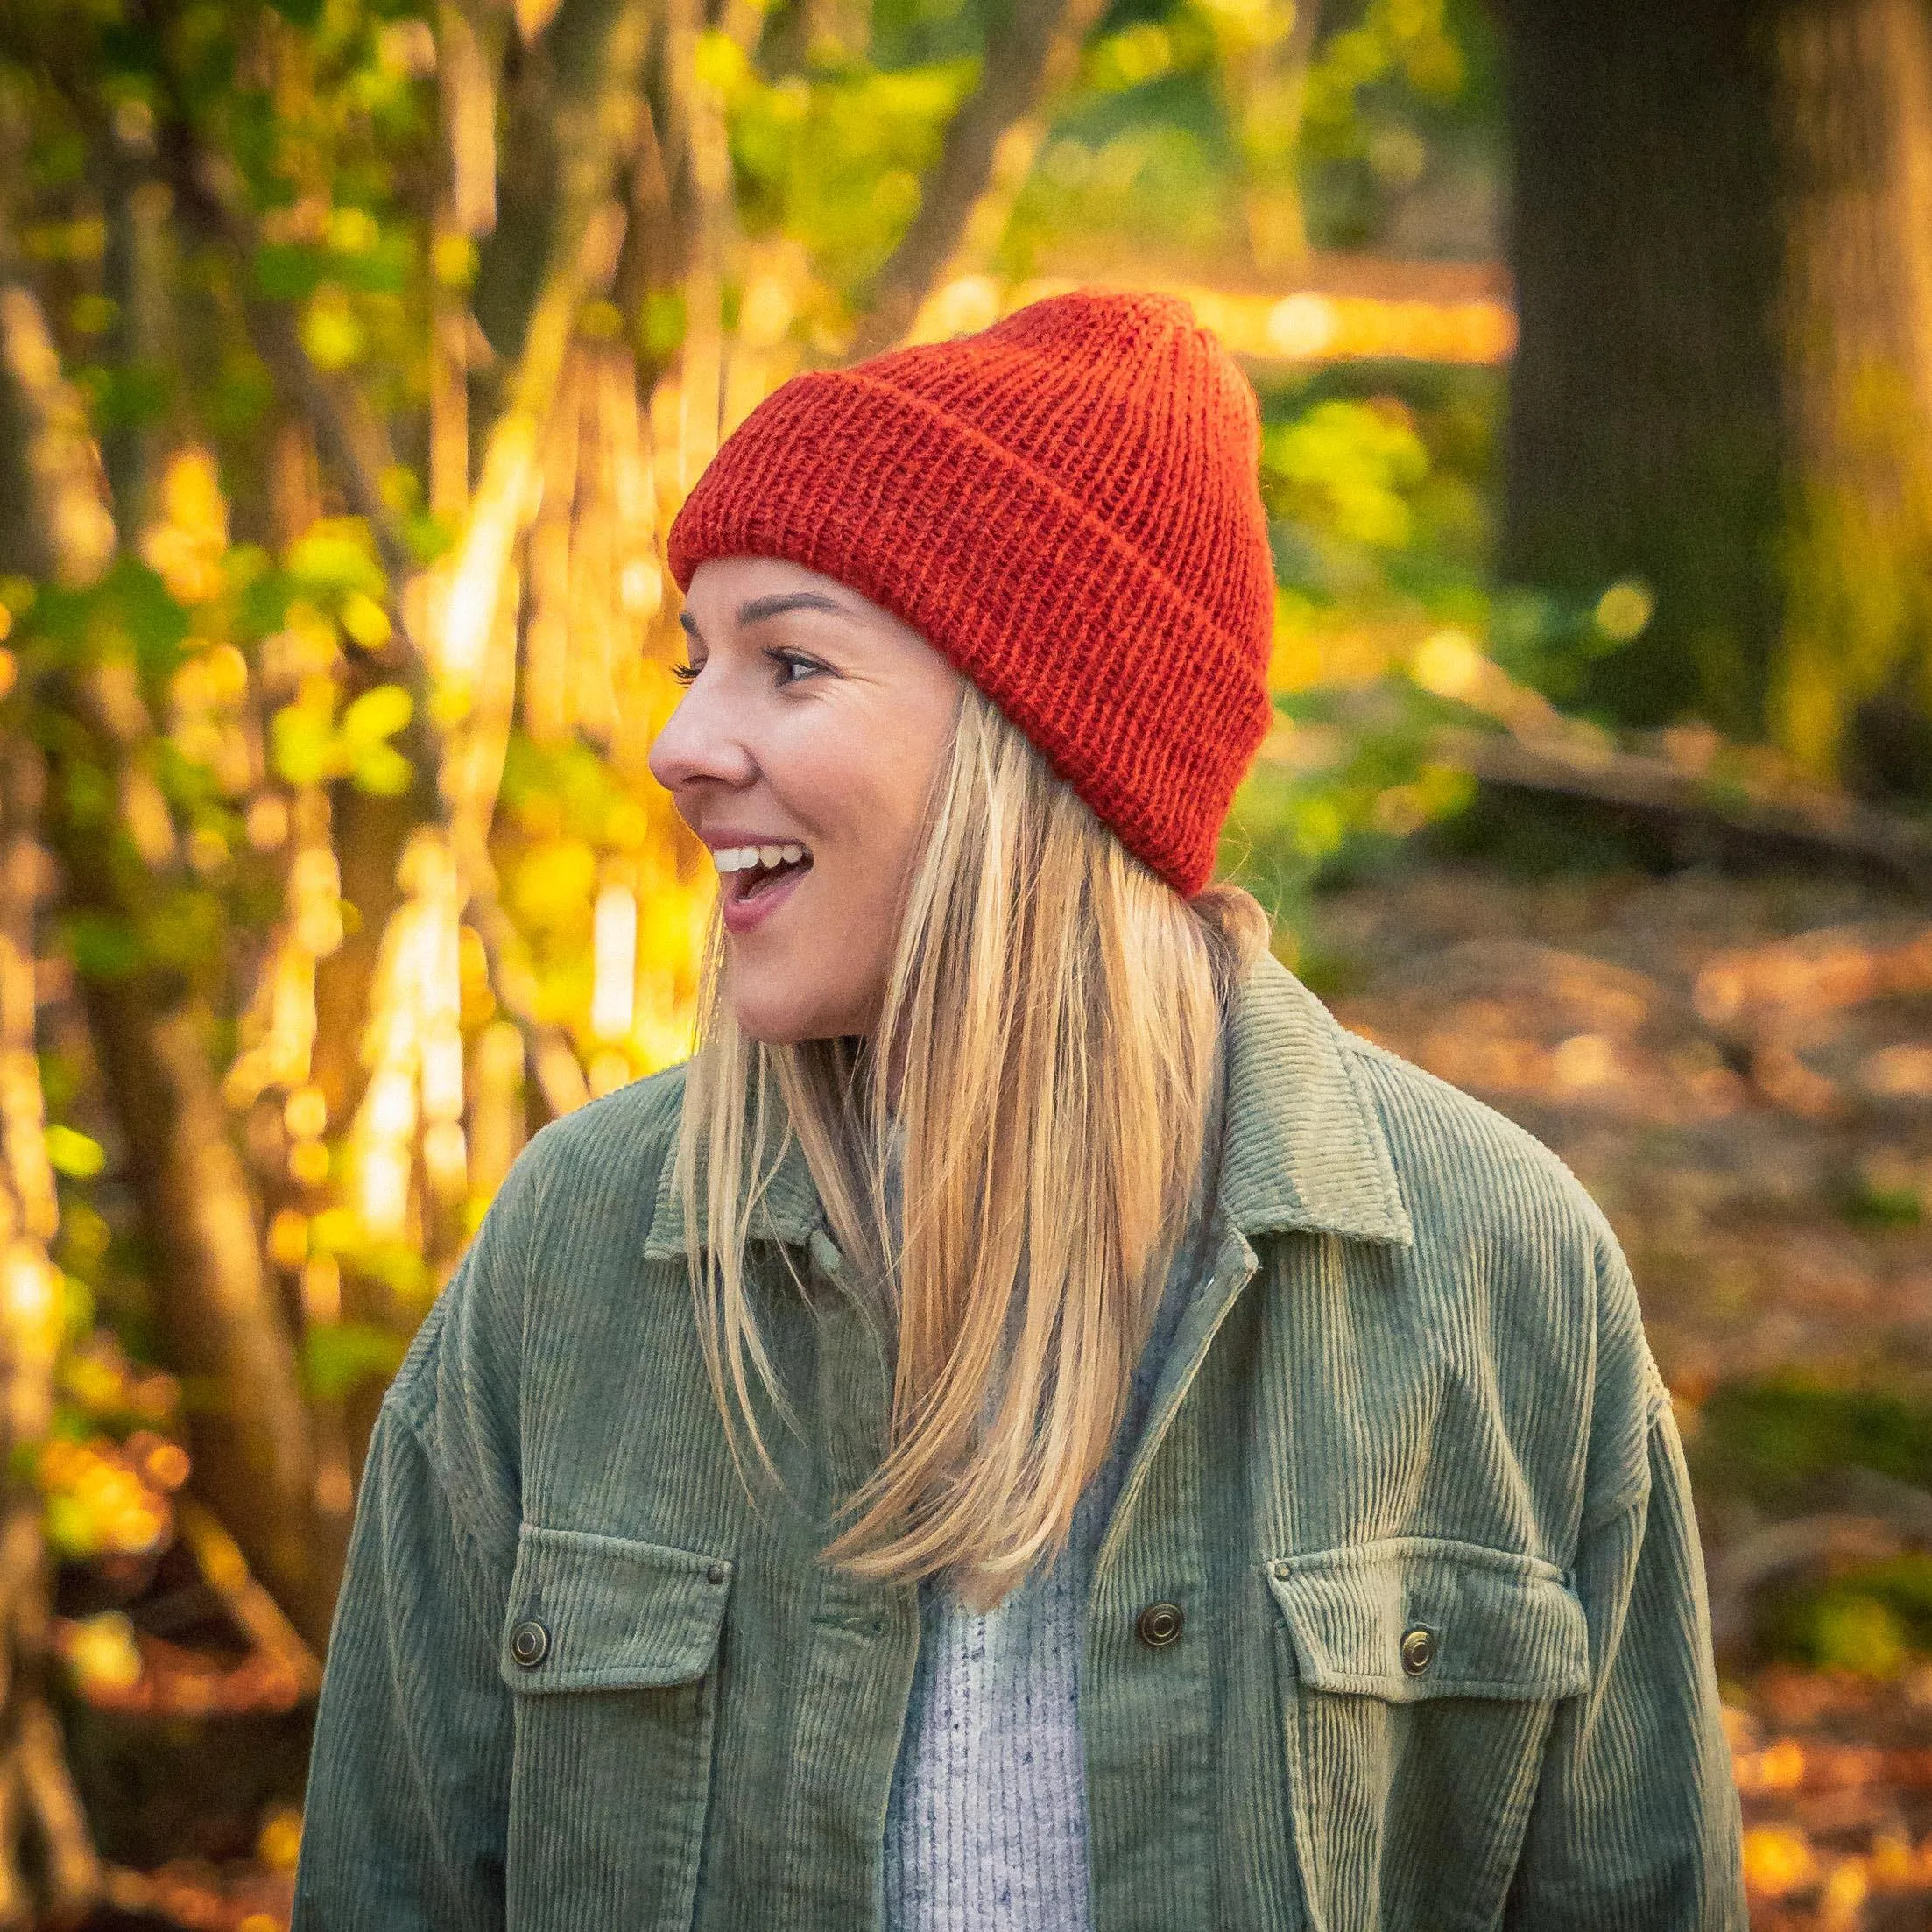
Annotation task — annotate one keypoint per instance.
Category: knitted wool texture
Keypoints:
(1066, 506)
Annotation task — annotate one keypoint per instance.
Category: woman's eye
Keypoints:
(789, 662)
(790, 668)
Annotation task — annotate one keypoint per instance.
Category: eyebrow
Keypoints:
(758, 609)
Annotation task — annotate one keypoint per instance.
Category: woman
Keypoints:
(1033, 1426)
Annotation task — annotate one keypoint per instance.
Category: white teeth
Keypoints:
(743, 858)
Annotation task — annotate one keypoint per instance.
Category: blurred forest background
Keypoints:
(354, 358)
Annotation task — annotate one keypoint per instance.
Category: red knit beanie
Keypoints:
(1066, 506)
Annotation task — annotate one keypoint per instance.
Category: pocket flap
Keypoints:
(603, 1612)
(1496, 1624)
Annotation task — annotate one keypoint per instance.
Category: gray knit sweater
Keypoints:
(986, 1830)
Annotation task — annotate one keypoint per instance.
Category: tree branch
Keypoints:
(1028, 54)
(352, 441)
(1737, 1574)
(60, 527)
(226, 1571)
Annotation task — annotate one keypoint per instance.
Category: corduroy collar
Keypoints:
(1303, 1148)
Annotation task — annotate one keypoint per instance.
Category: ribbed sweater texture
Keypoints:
(986, 1830)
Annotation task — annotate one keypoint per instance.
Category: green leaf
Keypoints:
(302, 745)
(384, 771)
(133, 396)
(69, 1528)
(379, 714)
(335, 1358)
(336, 555)
(130, 610)
(154, 623)
(384, 270)
(73, 1154)
(263, 604)
(1314, 706)
(186, 929)
(87, 796)
(80, 1308)
(241, 396)
(289, 272)
(101, 946)
(660, 325)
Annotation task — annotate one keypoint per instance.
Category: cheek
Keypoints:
(861, 788)
(866, 847)
(864, 814)
(857, 786)
(882, 820)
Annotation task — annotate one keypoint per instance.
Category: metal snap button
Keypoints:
(1418, 1650)
(715, 1573)
(529, 1643)
(1158, 1624)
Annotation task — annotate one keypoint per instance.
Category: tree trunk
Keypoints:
(49, 1872)
(1722, 239)
(249, 1425)
(1855, 93)
(571, 118)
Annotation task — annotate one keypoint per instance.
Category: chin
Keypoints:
(764, 1030)
(783, 1023)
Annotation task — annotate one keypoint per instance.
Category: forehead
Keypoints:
(720, 585)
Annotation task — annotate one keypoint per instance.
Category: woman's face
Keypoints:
(811, 729)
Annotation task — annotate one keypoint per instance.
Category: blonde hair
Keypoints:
(1050, 1025)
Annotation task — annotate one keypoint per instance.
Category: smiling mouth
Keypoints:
(748, 872)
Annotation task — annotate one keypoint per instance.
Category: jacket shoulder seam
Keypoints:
(415, 1399)
(1637, 1491)
(463, 1530)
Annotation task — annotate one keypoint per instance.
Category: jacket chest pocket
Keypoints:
(1420, 1677)
(609, 1647)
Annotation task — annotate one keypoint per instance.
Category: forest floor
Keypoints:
(1740, 1069)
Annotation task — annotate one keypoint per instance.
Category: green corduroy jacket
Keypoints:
(1410, 1478)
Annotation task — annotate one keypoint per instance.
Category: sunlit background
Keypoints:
(355, 357)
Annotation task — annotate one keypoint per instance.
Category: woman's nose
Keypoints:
(696, 744)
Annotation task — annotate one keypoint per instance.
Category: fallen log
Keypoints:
(1825, 822)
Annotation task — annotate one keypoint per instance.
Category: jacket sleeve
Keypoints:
(407, 1810)
(1634, 1826)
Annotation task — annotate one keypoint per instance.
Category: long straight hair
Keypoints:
(1043, 1059)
